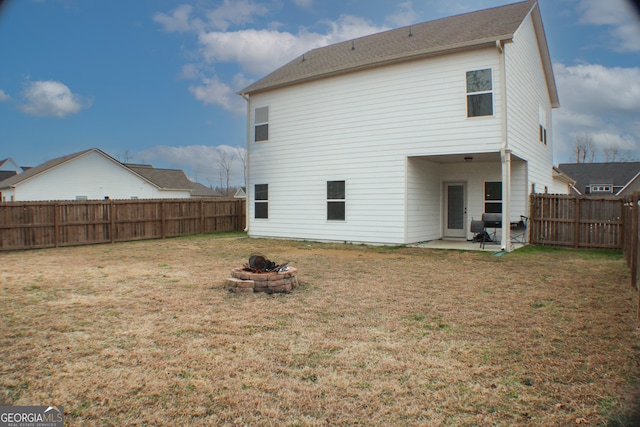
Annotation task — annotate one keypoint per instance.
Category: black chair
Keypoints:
(519, 230)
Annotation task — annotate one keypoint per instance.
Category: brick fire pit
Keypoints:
(242, 281)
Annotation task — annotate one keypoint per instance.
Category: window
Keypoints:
(335, 201)
(493, 197)
(543, 126)
(262, 124)
(261, 203)
(479, 93)
(82, 198)
(600, 189)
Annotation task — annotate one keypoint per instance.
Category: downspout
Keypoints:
(247, 162)
(505, 157)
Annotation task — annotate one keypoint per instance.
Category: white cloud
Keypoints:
(177, 21)
(4, 96)
(304, 4)
(597, 89)
(601, 102)
(212, 91)
(230, 12)
(200, 162)
(405, 15)
(50, 98)
(235, 12)
(259, 52)
(618, 14)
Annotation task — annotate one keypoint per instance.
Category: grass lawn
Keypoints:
(144, 333)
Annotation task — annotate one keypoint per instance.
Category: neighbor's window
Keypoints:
(335, 201)
(82, 198)
(493, 197)
(262, 124)
(261, 203)
(479, 93)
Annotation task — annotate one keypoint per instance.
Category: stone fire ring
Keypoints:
(242, 281)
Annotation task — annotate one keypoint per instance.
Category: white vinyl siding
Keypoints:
(92, 175)
(362, 126)
(529, 107)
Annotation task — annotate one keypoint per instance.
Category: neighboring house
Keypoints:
(8, 168)
(241, 193)
(562, 183)
(613, 179)
(406, 135)
(93, 174)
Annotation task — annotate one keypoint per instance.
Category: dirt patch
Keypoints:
(145, 334)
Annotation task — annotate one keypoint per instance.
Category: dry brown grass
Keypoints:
(144, 334)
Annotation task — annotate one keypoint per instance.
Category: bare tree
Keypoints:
(225, 160)
(584, 149)
(125, 157)
(242, 155)
(610, 152)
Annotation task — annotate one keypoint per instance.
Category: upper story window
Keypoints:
(262, 124)
(479, 93)
(261, 204)
(336, 201)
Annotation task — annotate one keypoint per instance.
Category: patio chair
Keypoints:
(519, 230)
(479, 232)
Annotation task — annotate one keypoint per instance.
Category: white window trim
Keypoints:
(256, 123)
(336, 200)
(492, 92)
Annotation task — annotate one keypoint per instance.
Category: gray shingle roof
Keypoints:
(617, 174)
(172, 179)
(402, 44)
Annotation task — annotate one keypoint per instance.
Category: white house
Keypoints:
(93, 174)
(404, 136)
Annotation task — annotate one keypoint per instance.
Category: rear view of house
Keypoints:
(406, 135)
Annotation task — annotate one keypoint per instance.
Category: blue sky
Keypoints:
(154, 81)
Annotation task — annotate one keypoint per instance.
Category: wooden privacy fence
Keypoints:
(589, 222)
(576, 221)
(27, 225)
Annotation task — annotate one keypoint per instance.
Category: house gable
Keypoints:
(443, 36)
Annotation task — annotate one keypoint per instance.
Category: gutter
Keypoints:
(248, 163)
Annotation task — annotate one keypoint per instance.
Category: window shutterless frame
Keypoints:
(261, 203)
(336, 204)
(479, 93)
(261, 120)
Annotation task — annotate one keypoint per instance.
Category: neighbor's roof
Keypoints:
(618, 174)
(475, 29)
(172, 179)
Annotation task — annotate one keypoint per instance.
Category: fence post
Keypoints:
(576, 232)
(56, 220)
(634, 243)
(162, 231)
(112, 222)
